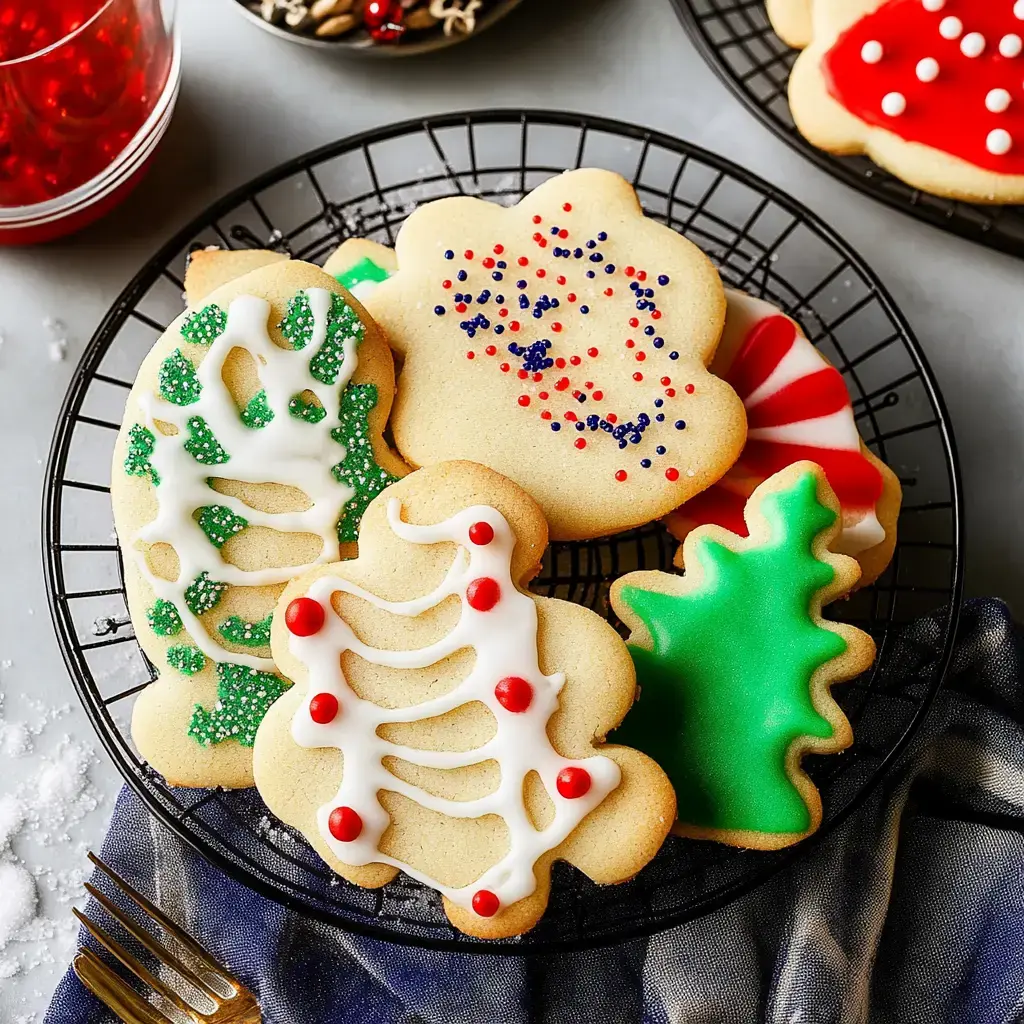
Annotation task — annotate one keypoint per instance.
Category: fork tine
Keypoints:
(165, 956)
(113, 991)
(136, 967)
(166, 923)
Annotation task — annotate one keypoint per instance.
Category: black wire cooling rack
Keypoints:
(762, 241)
(738, 42)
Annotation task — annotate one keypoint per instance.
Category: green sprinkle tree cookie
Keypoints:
(734, 664)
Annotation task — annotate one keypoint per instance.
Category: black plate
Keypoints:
(737, 41)
(763, 241)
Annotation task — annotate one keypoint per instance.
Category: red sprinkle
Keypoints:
(481, 533)
(556, 327)
(543, 396)
(483, 594)
(641, 275)
(304, 616)
(488, 262)
(542, 272)
(571, 416)
(611, 417)
(460, 307)
(561, 384)
(523, 261)
(641, 356)
(560, 363)
(630, 343)
(543, 243)
(468, 254)
(630, 271)
(536, 218)
(666, 381)
(323, 708)
(571, 297)
(608, 291)
(446, 284)
(513, 325)
(575, 360)
(490, 350)
(545, 415)
(597, 396)
(633, 322)
(563, 233)
(656, 315)
(485, 903)
(538, 377)
(670, 392)
(588, 384)
(522, 374)
(502, 312)
(560, 279)
(567, 207)
(524, 400)
(638, 376)
(689, 389)
(573, 783)
(470, 355)
(514, 694)
(621, 475)
(592, 352)
(504, 367)
(345, 824)
(580, 443)
(498, 250)
(672, 474)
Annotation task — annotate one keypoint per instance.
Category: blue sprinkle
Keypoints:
(661, 449)
(449, 255)
(581, 426)
(663, 279)
(514, 348)
(596, 257)
(537, 314)
(556, 427)
(464, 324)
(497, 276)
(462, 275)
(659, 402)
(499, 329)
(622, 444)
(577, 252)
(658, 342)
(584, 310)
(641, 304)
(643, 419)
(524, 302)
(556, 252)
(499, 299)
(592, 421)
(591, 274)
(660, 417)
(520, 284)
(673, 355)
(502, 265)
(680, 424)
(649, 293)
(645, 463)
(555, 230)
(581, 397)
(591, 244)
(554, 303)
(471, 332)
(484, 323)
(484, 297)
(648, 330)
(633, 286)
(439, 310)
(602, 236)
(610, 269)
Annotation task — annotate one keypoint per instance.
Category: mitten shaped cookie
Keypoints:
(564, 343)
(447, 723)
(798, 408)
(734, 663)
(932, 90)
(250, 447)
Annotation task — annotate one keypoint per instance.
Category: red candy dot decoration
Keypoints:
(621, 475)
(481, 533)
(672, 474)
(485, 903)
(345, 824)
(514, 694)
(573, 783)
(323, 708)
(304, 616)
(580, 443)
(483, 594)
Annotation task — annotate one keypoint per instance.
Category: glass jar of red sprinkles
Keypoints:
(87, 89)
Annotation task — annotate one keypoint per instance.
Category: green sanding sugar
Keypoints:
(257, 412)
(164, 619)
(204, 326)
(358, 468)
(247, 634)
(187, 659)
(298, 324)
(244, 695)
(202, 593)
(311, 412)
(141, 443)
(202, 445)
(219, 523)
(179, 382)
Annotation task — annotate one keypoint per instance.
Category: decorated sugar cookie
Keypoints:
(564, 343)
(447, 723)
(250, 448)
(734, 663)
(933, 90)
(798, 408)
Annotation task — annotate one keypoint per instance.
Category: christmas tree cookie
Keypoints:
(250, 447)
(932, 90)
(447, 723)
(734, 663)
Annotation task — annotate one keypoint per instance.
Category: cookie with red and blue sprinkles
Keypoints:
(563, 343)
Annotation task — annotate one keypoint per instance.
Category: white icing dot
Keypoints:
(893, 104)
(950, 28)
(1011, 46)
(999, 142)
(933, 5)
(1018, 10)
(927, 69)
(871, 52)
(973, 44)
(997, 100)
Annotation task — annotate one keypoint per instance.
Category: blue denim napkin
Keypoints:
(912, 911)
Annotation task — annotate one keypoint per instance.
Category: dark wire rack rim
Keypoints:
(859, 172)
(71, 646)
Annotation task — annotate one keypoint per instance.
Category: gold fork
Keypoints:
(111, 989)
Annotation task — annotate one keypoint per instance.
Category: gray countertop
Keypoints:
(248, 102)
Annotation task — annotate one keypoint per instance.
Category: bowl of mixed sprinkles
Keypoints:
(385, 28)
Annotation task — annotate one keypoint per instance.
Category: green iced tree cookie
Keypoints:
(725, 658)
(243, 697)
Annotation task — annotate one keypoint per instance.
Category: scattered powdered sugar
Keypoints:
(18, 907)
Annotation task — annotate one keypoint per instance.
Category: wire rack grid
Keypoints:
(366, 185)
(736, 39)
